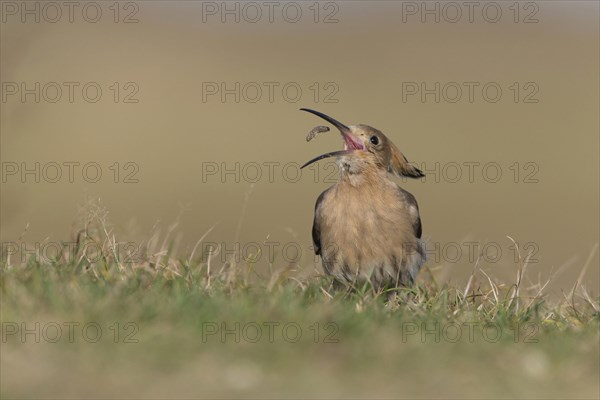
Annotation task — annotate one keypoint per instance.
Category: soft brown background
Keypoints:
(368, 54)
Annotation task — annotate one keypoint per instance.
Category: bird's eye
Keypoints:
(374, 140)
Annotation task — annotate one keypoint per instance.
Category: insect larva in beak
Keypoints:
(315, 131)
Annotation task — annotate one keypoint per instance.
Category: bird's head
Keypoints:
(365, 147)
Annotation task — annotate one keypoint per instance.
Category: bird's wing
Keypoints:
(316, 229)
(413, 208)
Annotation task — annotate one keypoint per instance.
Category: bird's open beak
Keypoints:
(351, 142)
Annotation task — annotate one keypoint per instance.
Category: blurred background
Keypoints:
(187, 112)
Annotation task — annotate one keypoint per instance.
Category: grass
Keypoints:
(185, 327)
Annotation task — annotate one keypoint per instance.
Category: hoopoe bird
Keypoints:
(366, 228)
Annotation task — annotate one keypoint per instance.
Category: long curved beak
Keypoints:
(344, 130)
(327, 155)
